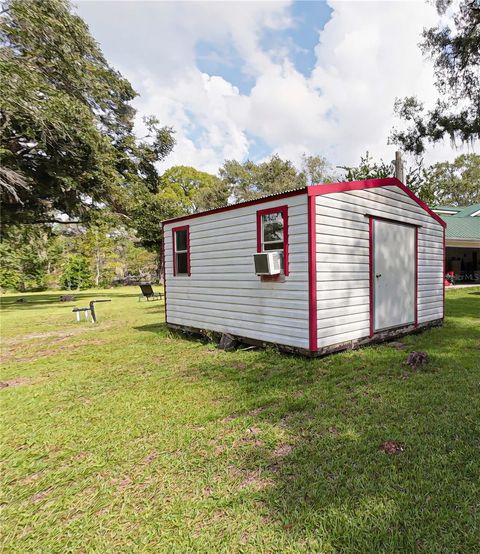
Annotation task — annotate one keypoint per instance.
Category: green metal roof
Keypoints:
(468, 211)
(448, 208)
(461, 225)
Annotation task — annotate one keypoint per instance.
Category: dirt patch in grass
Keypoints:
(392, 447)
(63, 334)
(15, 382)
(39, 496)
(122, 483)
(10, 355)
(282, 450)
(250, 479)
(255, 480)
(29, 479)
(150, 458)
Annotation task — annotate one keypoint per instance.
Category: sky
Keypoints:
(245, 80)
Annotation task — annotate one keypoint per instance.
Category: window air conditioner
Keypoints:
(268, 263)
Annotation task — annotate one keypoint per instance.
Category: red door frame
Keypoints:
(371, 219)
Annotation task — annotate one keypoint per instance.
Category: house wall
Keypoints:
(223, 293)
(342, 258)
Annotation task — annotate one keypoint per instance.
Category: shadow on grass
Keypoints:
(333, 479)
(329, 485)
(43, 300)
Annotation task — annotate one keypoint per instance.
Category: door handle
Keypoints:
(378, 275)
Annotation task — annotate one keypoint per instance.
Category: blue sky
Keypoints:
(308, 19)
(240, 80)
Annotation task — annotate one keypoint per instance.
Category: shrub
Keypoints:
(76, 273)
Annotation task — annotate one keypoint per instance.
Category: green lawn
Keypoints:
(126, 438)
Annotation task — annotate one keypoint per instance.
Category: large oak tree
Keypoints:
(67, 144)
(455, 51)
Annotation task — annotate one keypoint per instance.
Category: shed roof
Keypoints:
(315, 190)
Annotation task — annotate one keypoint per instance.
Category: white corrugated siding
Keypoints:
(343, 260)
(223, 293)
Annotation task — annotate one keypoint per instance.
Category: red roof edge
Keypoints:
(315, 190)
(262, 200)
(347, 186)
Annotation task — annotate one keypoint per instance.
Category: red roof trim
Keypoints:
(270, 198)
(316, 190)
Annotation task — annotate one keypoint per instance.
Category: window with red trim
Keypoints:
(181, 250)
(272, 232)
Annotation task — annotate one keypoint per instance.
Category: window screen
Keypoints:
(272, 231)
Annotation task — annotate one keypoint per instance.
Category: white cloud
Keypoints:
(366, 56)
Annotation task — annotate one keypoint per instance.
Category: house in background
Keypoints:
(462, 240)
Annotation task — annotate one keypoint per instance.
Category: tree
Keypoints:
(316, 170)
(181, 190)
(97, 245)
(367, 169)
(455, 52)
(67, 143)
(417, 178)
(76, 273)
(249, 180)
(24, 259)
(456, 182)
(194, 190)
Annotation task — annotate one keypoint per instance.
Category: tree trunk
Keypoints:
(97, 269)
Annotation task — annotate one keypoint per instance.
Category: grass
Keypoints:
(125, 437)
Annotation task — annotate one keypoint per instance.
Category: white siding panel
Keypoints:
(223, 293)
(343, 294)
(343, 337)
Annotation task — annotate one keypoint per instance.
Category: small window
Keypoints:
(272, 232)
(181, 250)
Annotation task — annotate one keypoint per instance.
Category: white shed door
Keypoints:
(393, 274)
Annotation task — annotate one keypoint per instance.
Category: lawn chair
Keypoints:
(148, 294)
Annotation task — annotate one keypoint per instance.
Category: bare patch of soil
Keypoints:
(39, 496)
(255, 480)
(122, 483)
(31, 478)
(10, 355)
(282, 450)
(392, 447)
(256, 411)
(15, 382)
(63, 334)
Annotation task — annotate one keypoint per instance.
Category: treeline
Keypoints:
(37, 258)
(106, 252)
(82, 196)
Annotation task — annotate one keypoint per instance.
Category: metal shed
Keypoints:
(340, 265)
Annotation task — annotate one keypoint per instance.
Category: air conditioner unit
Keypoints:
(268, 263)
